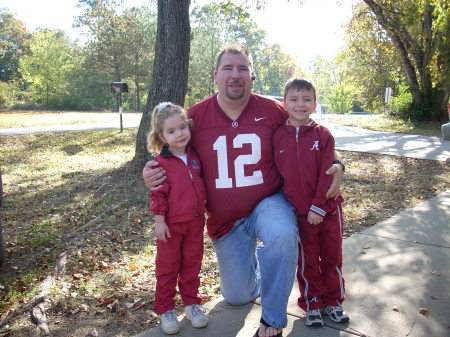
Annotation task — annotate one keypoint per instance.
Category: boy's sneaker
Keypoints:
(169, 322)
(196, 315)
(314, 318)
(336, 313)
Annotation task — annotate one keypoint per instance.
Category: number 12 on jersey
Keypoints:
(220, 145)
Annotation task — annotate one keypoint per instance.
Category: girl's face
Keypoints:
(176, 134)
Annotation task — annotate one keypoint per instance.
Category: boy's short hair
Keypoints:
(299, 84)
(234, 49)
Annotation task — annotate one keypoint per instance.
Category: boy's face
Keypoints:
(299, 104)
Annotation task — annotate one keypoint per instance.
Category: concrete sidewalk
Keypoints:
(402, 262)
(351, 138)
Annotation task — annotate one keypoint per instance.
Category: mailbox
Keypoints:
(119, 87)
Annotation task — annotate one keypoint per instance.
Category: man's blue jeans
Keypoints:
(248, 271)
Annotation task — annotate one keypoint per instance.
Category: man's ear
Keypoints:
(253, 77)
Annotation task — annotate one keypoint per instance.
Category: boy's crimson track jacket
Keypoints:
(302, 159)
(183, 195)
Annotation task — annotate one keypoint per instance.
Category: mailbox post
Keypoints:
(118, 88)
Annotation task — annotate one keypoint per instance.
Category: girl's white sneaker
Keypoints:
(196, 315)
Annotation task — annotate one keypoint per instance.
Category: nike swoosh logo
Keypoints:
(281, 151)
(258, 119)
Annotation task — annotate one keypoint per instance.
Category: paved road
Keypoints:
(347, 138)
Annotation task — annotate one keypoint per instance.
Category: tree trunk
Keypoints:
(416, 55)
(170, 75)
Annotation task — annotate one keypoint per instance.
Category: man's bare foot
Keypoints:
(268, 331)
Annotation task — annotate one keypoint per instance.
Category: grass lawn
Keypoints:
(74, 201)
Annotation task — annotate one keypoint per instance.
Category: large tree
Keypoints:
(420, 32)
(369, 63)
(213, 26)
(48, 64)
(13, 44)
(170, 75)
(273, 68)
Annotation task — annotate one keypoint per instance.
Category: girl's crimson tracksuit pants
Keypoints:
(179, 261)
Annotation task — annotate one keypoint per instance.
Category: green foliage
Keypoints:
(13, 44)
(120, 45)
(400, 105)
(340, 99)
(273, 69)
(368, 62)
(420, 35)
(213, 26)
(47, 66)
(324, 75)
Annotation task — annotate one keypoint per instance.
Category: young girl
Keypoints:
(178, 208)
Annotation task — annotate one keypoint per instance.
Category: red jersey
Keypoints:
(237, 158)
(183, 195)
(302, 158)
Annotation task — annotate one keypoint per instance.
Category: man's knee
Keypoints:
(237, 298)
(239, 294)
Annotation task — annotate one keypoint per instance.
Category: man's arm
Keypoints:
(153, 175)
(337, 171)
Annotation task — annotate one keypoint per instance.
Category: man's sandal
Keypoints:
(280, 334)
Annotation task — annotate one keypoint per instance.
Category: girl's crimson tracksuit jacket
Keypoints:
(183, 195)
(302, 156)
(181, 201)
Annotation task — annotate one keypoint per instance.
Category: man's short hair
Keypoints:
(234, 49)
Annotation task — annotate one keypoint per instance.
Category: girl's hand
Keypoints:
(162, 231)
(314, 218)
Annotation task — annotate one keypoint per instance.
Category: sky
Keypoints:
(303, 31)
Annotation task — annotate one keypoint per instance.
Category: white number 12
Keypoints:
(220, 145)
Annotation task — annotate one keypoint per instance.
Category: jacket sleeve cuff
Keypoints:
(159, 213)
(318, 210)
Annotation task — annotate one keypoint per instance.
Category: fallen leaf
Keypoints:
(106, 302)
(435, 272)
(424, 311)
(84, 307)
(367, 247)
(78, 276)
(394, 308)
(102, 265)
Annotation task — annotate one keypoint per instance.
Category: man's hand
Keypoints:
(153, 176)
(337, 171)
(314, 218)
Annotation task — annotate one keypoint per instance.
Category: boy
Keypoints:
(303, 151)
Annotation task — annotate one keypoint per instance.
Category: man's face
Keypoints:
(233, 76)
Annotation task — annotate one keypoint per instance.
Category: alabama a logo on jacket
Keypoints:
(196, 164)
(315, 146)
